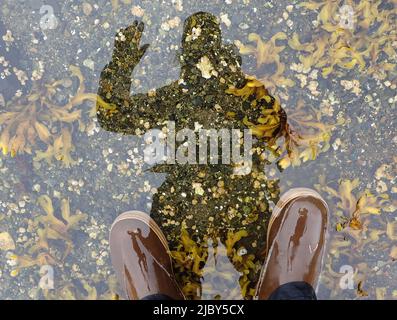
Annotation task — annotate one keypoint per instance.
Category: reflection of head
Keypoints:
(201, 34)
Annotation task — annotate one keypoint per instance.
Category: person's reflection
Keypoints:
(207, 200)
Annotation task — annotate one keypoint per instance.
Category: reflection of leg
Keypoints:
(141, 259)
(296, 236)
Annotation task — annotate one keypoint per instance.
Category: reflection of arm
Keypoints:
(117, 111)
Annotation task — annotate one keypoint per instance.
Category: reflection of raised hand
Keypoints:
(115, 82)
(129, 111)
(127, 52)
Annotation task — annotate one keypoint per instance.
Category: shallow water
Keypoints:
(342, 77)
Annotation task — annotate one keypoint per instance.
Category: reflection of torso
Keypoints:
(209, 199)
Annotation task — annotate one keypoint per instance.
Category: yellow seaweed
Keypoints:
(267, 52)
(348, 48)
(53, 227)
(354, 207)
(25, 261)
(232, 238)
(189, 254)
(305, 136)
(190, 259)
(68, 291)
(35, 117)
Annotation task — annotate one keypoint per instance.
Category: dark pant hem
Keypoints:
(157, 296)
(298, 290)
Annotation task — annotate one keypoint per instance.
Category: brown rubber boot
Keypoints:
(140, 256)
(295, 238)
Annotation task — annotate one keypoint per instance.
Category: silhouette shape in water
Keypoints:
(228, 202)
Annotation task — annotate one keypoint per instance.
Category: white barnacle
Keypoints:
(206, 67)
